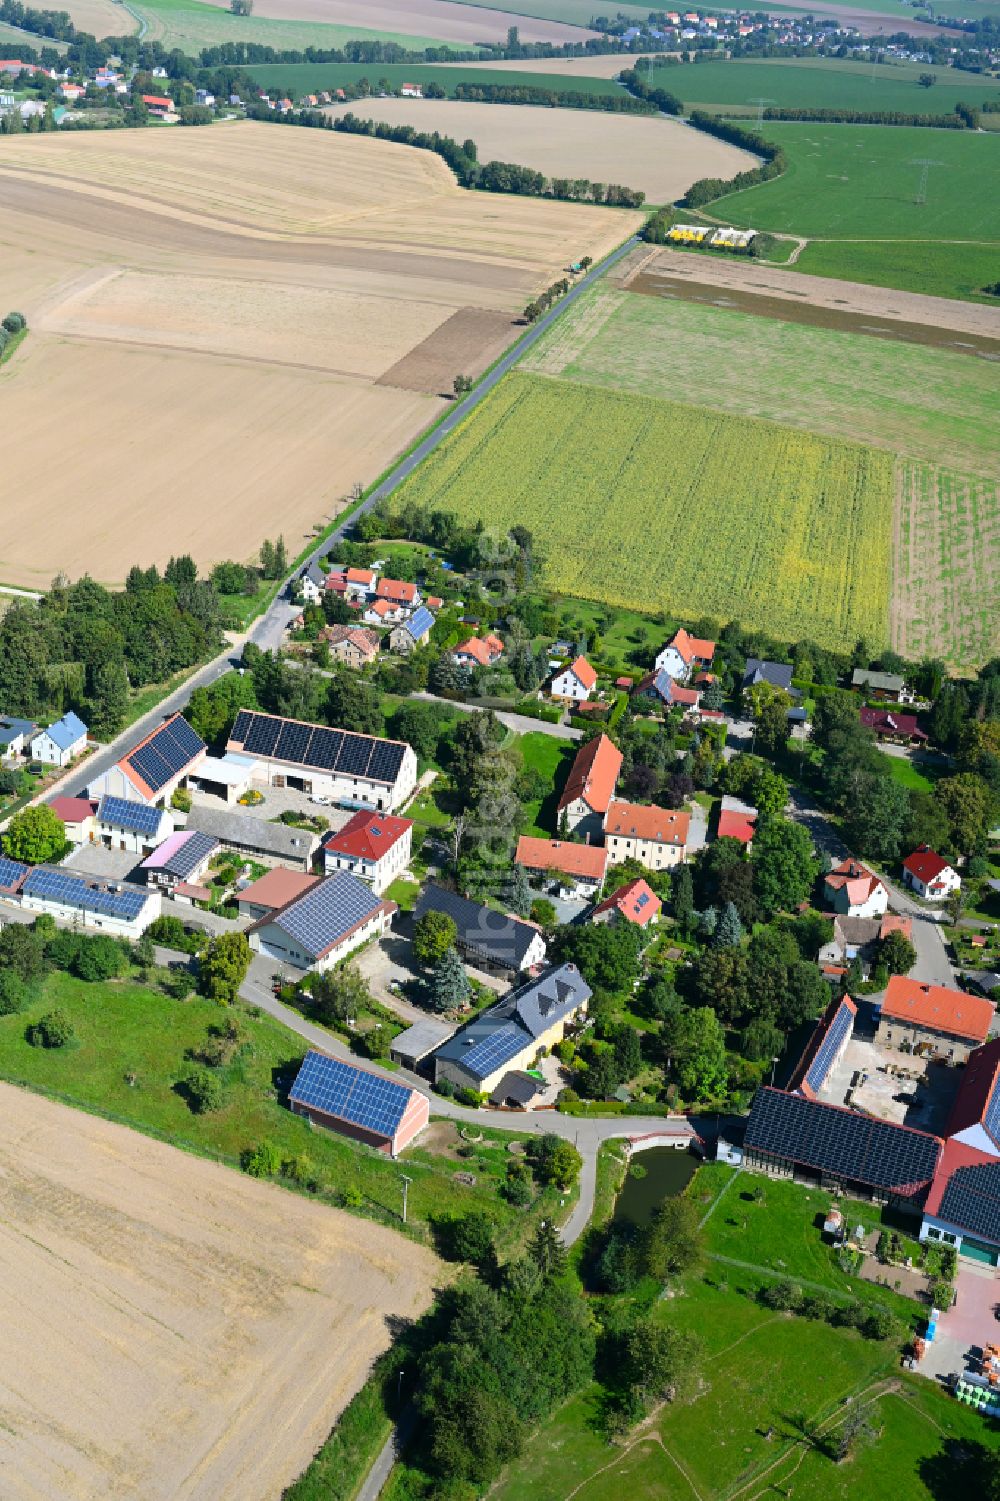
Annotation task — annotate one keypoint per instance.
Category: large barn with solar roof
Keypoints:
(355, 770)
(154, 768)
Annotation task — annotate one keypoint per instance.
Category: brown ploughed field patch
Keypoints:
(174, 1330)
(222, 324)
(660, 156)
(422, 18)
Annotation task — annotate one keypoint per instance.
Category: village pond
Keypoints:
(652, 1176)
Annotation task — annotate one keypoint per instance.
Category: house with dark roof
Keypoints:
(256, 837)
(590, 787)
(311, 583)
(778, 674)
(888, 686)
(858, 938)
(153, 769)
(486, 938)
(354, 770)
(125, 824)
(374, 846)
(179, 863)
(15, 735)
(890, 725)
(930, 875)
(61, 743)
(659, 688)
(513, 1034)
(825, 1048)
(412, 632)
(323, 925)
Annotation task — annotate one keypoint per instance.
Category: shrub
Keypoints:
(204, 1091)
(13, 993)
(14, 323)
(53, 1030)
(182, 800)
(100, 958)
(468, 1097)
(262, 1161)
(781, 1295)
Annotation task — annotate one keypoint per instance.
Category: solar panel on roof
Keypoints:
(971, 1200)
(137, 817)
(351, 1094)
(241, 725)
(328, 911)
(355, 753)
(262, 735)
(11, 871)
(387, 757)
(840, 1142)
(496, 1049)
(293, 741)
(74, 891)
(837, 1032)
(324, 748)
(151, 766)
(187, 740)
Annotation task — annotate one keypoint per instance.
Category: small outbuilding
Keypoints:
(357, 1102)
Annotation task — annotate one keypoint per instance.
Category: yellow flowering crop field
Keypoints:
(668, 508)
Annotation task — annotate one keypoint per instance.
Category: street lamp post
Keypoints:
(406, 1184)
(774, 1065)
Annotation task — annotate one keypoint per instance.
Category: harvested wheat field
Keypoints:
(596, 65)
(221, 330)
(423, 18)
(175, 1331)
(660, 156)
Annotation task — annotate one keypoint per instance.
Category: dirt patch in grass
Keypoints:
(173, 1330)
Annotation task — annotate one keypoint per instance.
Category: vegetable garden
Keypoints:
(656, 506)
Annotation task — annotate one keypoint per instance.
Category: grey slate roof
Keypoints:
(889, 682)
(324, 914)
(420, 1039)
(275, 839)
(506, 1029)
(501, 940)
(778, 674)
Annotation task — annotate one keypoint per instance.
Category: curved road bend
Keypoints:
(268, 631)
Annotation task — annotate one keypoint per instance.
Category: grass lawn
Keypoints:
(433, 806)
(854, 186)
(552, 758)
(558, 456)
(932, 404)
(128, 1029)
(190, 26)
(404, 893)
(821, 83)
(302, 78)
(909, 775)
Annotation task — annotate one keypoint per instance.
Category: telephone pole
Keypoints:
(406, 1184)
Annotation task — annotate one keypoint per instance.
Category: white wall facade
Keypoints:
(379, 874)
(274, 943)
(351, 791)
(44, 749)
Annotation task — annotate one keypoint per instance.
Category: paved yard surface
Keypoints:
(969, 1325)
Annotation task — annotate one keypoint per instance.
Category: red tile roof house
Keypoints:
(933, 1019)
(930, 875)
(375, 846)
(398, 592)
(583, 865)
(78, 814)
(158, 104)
(656, 837)
(733, 825)
(575, 682)
(855, 891)
(636, 903)
(479, 651)
(685, 654)
(359, 583)
(590, 786)
(889, 724)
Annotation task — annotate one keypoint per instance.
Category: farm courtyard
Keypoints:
(175, 1330)
(236, 315)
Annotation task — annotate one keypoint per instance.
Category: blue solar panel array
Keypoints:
(335, 751)
(836, 1034)
(138, 818)
(991, 1115)
(328, 911)
(166, 753)
(496, 1049)
(11, 872)
(74, 891)
(419, 622)
(350, 1094)
(190, 855)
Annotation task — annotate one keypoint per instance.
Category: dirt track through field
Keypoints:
(221, 330)
(173, 1330)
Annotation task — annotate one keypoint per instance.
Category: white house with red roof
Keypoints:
(384, 612)
(636, 903)
(590, 786)
(479, 651)
(374, 846)
(855, 891)
(576, 682)
(930, 875)
(398, 592)
(359, 583)
(79, 816)
(685, 654)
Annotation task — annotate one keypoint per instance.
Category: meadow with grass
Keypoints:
(299, 78)
(650, 504)
(736, 86)
(190, 26)
(857, 193)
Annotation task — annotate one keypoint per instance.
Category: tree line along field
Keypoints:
(301, 78)
(819, 83)
(855, 190)
(652, 505)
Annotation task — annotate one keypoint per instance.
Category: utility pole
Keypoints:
(925, 163)
(406, 1184)
(761, 103)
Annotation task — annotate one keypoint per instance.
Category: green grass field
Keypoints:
(658, 506)
(190, 26)
(129, 1029)
(774, 1386)
(931, 404)
(300, 78)
(571, 12)
(854, 186)
(820, 83)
